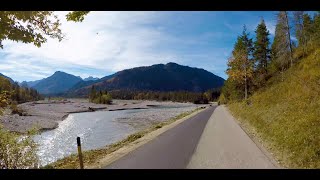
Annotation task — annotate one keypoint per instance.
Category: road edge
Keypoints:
(254, 139)
(114, 156)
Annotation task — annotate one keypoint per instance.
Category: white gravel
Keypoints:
(47, 115)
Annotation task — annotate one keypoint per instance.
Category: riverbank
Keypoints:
(97, 157)
(46, 115)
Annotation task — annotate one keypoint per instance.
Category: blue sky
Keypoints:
(106, 42)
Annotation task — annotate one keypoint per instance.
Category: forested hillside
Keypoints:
(159, 77)
(12, 93)
(275, 87)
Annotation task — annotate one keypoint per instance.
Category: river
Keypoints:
(98, 129)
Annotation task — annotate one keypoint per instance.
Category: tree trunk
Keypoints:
(245, 85)
(288, 31)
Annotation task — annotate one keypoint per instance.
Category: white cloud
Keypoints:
(107, 41)
(271, 27)
(103, 43)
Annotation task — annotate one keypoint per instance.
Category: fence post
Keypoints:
(80, 153)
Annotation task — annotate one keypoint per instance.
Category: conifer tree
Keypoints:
(261, 52)
(281, 48)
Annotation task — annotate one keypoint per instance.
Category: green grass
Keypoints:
(91, 156)
(286, 114)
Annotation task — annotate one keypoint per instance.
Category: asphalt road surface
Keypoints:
(224, 145)
(172, 149)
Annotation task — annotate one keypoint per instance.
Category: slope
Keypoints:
(285, 114)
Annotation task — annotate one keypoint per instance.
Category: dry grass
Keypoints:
(91, 156)
(286, 114)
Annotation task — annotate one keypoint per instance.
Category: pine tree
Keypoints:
(308, 29)
(261, 52)
(299, 26)
(281, 48)
(100, 96)
(93, 93)
(300, 31)
(316, 25)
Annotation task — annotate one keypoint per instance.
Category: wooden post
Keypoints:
(79, 152)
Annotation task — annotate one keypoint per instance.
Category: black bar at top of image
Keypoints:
(163, 5)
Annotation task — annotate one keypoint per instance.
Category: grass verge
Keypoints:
(285, 114)
(91, 156)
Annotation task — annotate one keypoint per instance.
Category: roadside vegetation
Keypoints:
(92, 156)
(100, 97)
(275, 89)
(17, 152)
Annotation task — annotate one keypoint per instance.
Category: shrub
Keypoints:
(222, 99)
(106, 99)
(17, 152)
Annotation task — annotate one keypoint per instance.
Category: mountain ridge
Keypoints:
(157, 77)
(11, 80)
(59, 82)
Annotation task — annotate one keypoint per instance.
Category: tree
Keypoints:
(93, 93)
(240, 65)
(300, 31)
(33, 26)
(287, 30)
(261, 52)
(316, 22)
(282, 46)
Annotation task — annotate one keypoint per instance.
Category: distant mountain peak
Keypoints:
(59, 72)
(173, 63)
(57, 83)
(90, 78)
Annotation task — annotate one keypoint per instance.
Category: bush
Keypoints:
(222, 99)
(106, 99)
(17, 152)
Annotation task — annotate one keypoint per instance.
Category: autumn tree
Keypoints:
(240, 64)
(33, 26)
(27, 27)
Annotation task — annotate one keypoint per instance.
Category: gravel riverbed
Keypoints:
(47, 114)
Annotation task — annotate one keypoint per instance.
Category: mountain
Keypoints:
(59, 82)
(159, 77)
(29, 83)
(90, 78)
(83, 83)
(11, 80)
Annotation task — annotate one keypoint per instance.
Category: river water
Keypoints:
(98, 129)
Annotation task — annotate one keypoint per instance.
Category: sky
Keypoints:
(107, 42)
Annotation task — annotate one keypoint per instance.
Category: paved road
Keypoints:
(224, 144)
(170, 150)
